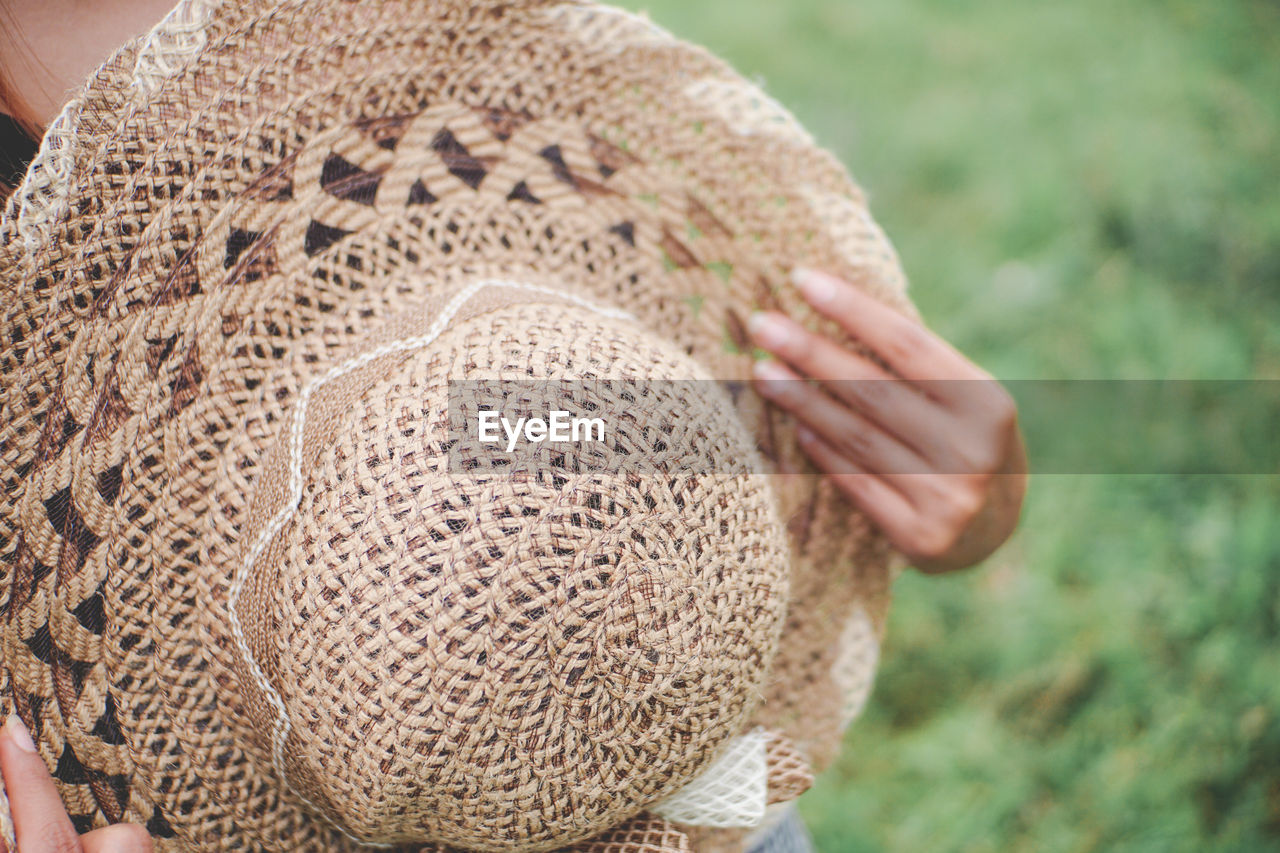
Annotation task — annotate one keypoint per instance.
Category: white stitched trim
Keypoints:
(731, 792)
(281, 727)
(43, 194)
(854, 669)
(608, 28)
(171, 44)
(746, 109)
(857, 237)
(166, 50)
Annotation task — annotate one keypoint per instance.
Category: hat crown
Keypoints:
(517, 656)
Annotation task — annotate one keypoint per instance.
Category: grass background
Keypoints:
(1078, 190)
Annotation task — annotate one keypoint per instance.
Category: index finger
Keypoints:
(907, 346)
(40, 820)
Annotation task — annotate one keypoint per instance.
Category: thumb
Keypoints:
(120, 838)
(40, 819)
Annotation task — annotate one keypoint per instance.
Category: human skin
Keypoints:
(39, 819)
(49, 47)
(943, 477)
(929, 448)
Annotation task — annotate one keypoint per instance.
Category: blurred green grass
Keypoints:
(1078, 190)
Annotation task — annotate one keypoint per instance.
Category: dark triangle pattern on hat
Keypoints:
(211, 244)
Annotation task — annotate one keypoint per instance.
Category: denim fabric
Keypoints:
(789, 836)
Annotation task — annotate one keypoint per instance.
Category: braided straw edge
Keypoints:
(43, 197)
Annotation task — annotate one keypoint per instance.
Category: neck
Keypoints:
(49, 48)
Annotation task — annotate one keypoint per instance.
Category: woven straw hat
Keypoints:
(245, 599)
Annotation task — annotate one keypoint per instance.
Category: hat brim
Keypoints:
(233, 216)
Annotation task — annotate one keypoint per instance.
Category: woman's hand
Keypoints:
(39, 819)
(935, 458)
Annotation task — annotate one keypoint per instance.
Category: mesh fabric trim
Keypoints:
(731, 792)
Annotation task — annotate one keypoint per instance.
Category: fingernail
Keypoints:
(816, 287)
(770, 371)
(18, 734)
(805, 434)
(767, 330)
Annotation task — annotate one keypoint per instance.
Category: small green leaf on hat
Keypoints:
(723, 269)
(695, 301)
